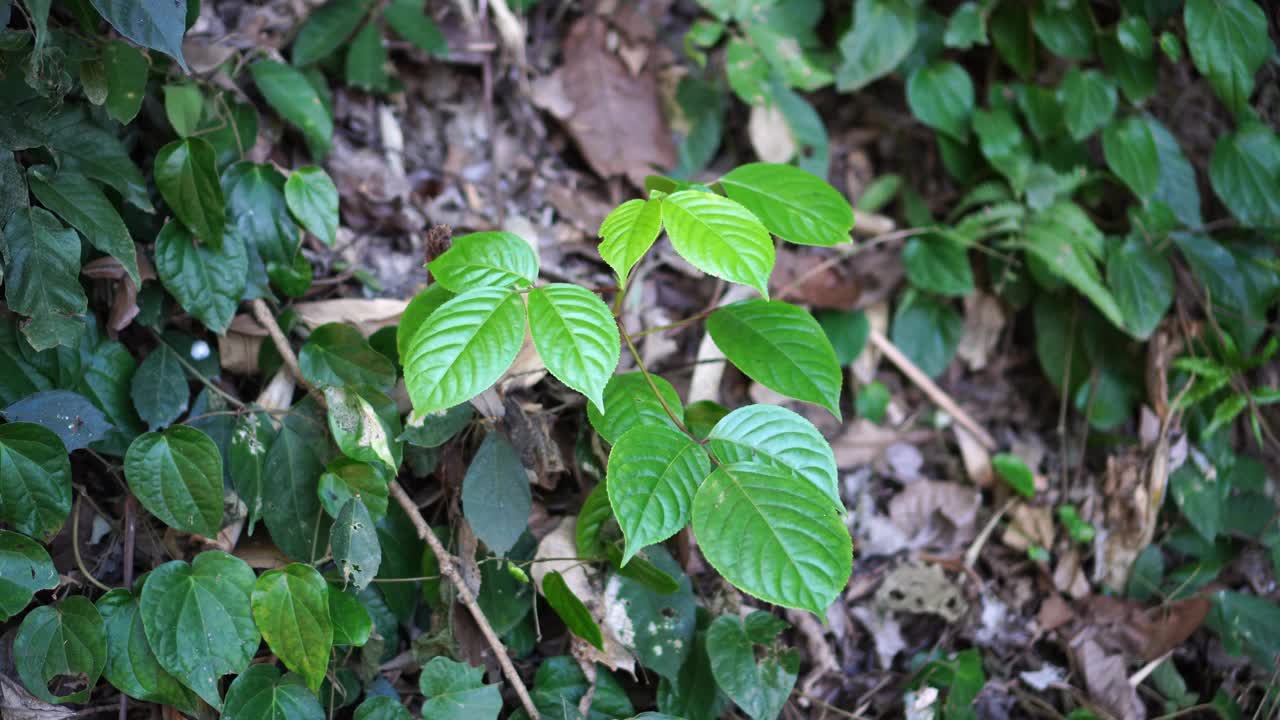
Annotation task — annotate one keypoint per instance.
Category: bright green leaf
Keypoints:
(463, 348)
(1014, 471)
(631, 402)
(207, 283)
(25, 569)
(576, 337)
(653, 474)
(352, 624)
(486, 259)
(417, 311)
(1003, 144)
(628, 232)
(184, 105)
(774, 536)
(291, 608)
(871, 401)
(778, 437)
(187, 175)
(260, 693)
(720, 237)
(966, 27)
(361, 431)
(198, 620)
(575, 615)
(313, 199)
(793, 204)
(35, 480)
(67, 639)
(781, 347)
(345, 479)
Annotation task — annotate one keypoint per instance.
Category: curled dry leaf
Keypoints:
(617, 118)
(983, 321)
(1130, 510)
(1029, 525)
(368, 315)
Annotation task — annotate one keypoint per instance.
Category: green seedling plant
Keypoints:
(759, 489)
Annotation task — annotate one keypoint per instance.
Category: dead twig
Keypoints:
(447, 567)
(930, 388)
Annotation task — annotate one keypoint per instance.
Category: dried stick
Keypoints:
(447, 568)
(930, 388)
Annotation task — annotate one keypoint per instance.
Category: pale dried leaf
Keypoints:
(976, 459)
(983, 321)
(18, 704)
(886, 631)
(1107, 679)
(368, 315)
(770, 134)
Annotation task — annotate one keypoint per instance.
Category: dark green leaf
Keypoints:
(187, 176)
(250, 438)
(759, 688)
(289, 93)
(1142, 281)
(127, 70)
(437, 428)
(355, 544)
(367, 60)
(177, 476)
(260, 693)
(208, 283)
(883, 33)
(1003, 144)
(198, 620)
(495, 494)
(159, 388)
(1228, 42)
(871, 401)
(939, 264)
(1010, 27)
(157, 24)
(63, 640)
(402, 558)
(82, 205)
(258, 214)
(1177, 185)
(381, 707)
(1200, 499)
(408, 20)
(69, 415)
(1088, 100)
(1065, 29)
(131, 665)
(966, 27)
(847, 332)
(35, 479)
(88, 149)
(560, 684)
(1245, 171)
(456, 691)
(291, 608)
(291, 505)
(352, 624)
(693, 694)
(345, 479)
(313, 199)
(25, 569)
(1131, 153)
(928, 332)
(42, 263)
(663, 622)
(941, 96)
(781, 347)
(1068, 244)
(106, 382)
(337, 355)
(575, 615)
(326, 29)
(793, 204)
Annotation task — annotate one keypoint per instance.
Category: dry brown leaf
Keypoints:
(1107, 679)
(1029, 525)
(617, 118)
(1069, 576)
(368, 315)
(1054, 613)
(812, 280)
(863, 442)
(942, 515)
(976, 459)
(1130, 519)
(770, 134)
(18, 704)
(983, 321)
(886, 631)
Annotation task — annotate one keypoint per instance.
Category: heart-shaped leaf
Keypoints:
(352, 624)
(67, 639)
(576, 337)
(159, 388)
(199, 621)
(177, 476)
(257, 209)
(291, 608)
(941, 95)
(653, 473)
(463, 348)
(313, 199)
(25, 569)
(1228, 43)
(456, 690)
(760, 687)
(486, 259)
(131, 665)
(207, 283)
(35, 480)
(773, 536)
(127, 70)
(778, 437)
(260, 693)
(1130, 151)
(381, 707)
(720, 237)
(781, 347)
(75, 420)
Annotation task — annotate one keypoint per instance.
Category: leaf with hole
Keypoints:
(66, 641)
(207, 283)
(198, 619)
(365, 425)
(159, 388)
(261, 693)
(337, 355)
(760, 687)
(156, 24)
(455, 691)
(719, 237)
(663, 622)
(571, 610)
(46, 255)
(486, 259)
(35, 480)
(772, 535)
(576, 337)
(778, 437)
(631, 402)
(345, 479)
(463, 348)
(793, 204)
(25, 569)
(653, 474)
(131, 665)
(495, 494)
(628, 232)
(781, 347)
(177, 476)
(83, 205)
(354, 542)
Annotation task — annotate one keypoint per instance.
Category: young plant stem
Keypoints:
(653, 386)
(445, 561)
(235, 402)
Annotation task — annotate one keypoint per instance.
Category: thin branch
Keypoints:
(653, 386)
(445, 561)
(75, 547)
